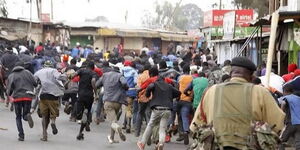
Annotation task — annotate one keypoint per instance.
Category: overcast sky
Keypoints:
(114, 10)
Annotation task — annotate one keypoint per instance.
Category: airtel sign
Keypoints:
(214, 18)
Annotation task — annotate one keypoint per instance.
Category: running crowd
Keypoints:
(184, 92)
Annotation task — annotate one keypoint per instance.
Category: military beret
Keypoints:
(243, 62)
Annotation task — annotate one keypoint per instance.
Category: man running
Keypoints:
(114, 96)
(85, 96)
(20, 86)
(51, 91)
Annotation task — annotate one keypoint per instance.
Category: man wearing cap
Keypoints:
(231, 107)
(52, 89)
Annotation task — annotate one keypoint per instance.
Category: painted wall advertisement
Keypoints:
(214, 18)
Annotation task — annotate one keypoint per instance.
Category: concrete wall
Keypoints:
(20, 28)
(133, 43)
(99, 42)
(111, 42)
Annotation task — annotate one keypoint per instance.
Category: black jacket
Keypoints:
(9, 60)
(21, 83)
(162, 94)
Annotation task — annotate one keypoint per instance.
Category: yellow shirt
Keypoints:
(264, 107)
(184, 82)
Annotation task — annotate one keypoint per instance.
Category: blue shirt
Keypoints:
(130, 75)
(294, 106)
(87, 52)
(75, 52)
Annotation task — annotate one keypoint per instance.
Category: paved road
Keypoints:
(66, 138)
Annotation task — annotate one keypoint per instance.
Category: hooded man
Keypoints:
(21, 84)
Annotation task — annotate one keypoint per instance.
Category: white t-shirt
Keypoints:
(276, 81)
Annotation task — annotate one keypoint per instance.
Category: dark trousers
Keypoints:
(99, 106)
(135, 110)
(184, 110)
(173, 113)
(73, 97)
(81, 106)
(21, 109)
(291, 131)
(143, 113)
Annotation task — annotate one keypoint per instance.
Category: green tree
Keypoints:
(188, 16)
(260, 6)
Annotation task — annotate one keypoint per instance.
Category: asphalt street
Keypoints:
(66, 137)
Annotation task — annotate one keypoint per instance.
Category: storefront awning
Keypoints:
(138, 33)
(176, 37)
(107, 32)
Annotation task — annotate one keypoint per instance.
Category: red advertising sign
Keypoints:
(214, 18)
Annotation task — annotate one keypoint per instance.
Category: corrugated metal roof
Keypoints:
(238, 39)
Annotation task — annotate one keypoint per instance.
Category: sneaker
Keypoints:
(87, 128)
(54, 129)
(80, 136)
(140, 145)
(97, 121)
(128, 131)
(186, 139)
(72, 119)
(44, 138)
(121, 134)
(136, 134)
(68, 108)
(21, 138)
(29, 120)
(111, 141)
(149, 142)
(180, 138)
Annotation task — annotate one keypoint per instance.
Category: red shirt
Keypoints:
(288, 77)
(39, 49)
(98, 71)
(152, 80)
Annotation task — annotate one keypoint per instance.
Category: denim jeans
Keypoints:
(158, 117)
(135, 110)
(173, 113)
(184, 109)
(22, 108)
(143, 113)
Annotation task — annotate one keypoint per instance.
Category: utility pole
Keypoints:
(52, 10)
(220, 5)
(30, 23)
